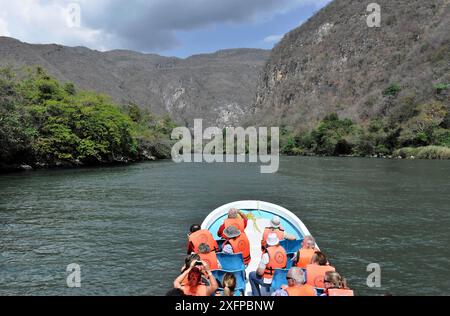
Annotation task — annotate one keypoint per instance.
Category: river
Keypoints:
(126, 226)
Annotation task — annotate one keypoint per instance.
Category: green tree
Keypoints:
(42, 120)
(419, 130)
(332, 136)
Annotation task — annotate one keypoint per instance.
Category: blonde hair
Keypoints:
(336, 280)
(229, 284)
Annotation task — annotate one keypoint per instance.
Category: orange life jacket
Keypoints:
(340, 292)
(241, 244)
(304, 257)
(270, 230)
(210, 259)
(277, 260)
(304, 290)
(203, 236)
(200, 290)
(236, 222)
(315, 274)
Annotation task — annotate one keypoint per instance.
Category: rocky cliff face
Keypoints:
(336, 63)
(217, 87)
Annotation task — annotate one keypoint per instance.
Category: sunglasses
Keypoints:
(326, 281)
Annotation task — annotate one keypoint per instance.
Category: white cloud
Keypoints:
(150, 25)
(3, 27)
(44, 22)
(273, 39)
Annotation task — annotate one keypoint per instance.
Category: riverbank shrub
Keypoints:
(333, 136)
(428, 152)
(45, 122)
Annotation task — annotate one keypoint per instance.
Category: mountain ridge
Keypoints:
(218, 87)
(335, 63)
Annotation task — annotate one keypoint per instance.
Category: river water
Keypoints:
(126, 226)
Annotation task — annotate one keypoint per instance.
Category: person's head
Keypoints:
(188, 261)
(319, 258)
(231, 232)
(229, 284)
(194, 228)
(334, 280)
(275, 223)
(295, 277)
(308, 242)
(233, 213)
(175, 292)
(272, 240)
(204, 248)
(194, 277)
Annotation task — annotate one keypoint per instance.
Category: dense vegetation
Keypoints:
(422, 131)
(45, 123)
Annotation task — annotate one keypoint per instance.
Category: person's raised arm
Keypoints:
(177, 283)
(213, 285)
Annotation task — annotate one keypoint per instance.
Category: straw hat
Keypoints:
(232, 232)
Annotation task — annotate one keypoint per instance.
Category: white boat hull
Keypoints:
(261, 213)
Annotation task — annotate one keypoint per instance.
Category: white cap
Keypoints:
(275, 222)
(272, 240)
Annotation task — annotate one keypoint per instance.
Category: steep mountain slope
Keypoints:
(216, 87)
(336, 63)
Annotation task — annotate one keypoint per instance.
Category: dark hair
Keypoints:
(320, 258)
(194, 278)
(188, 260)
(175, 292)
(194, 228)
(229, 284)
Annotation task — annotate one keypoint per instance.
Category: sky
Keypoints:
(178, 28)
